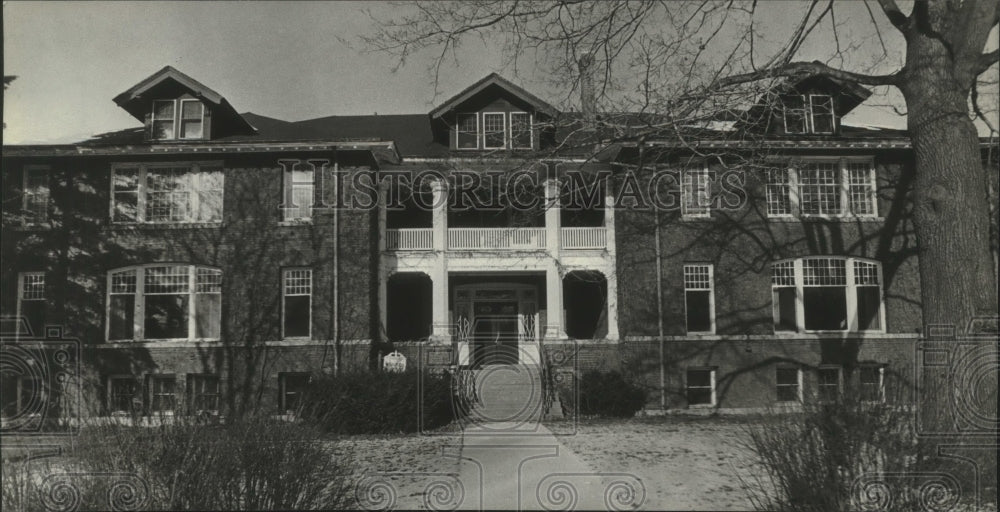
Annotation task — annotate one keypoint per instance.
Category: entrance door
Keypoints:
(495, 332)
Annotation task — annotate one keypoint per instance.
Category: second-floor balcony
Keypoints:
(490, 239)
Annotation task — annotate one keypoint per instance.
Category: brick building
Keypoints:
(210, 258)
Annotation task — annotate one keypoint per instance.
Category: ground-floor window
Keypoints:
(789, 384)
(22, 396)
(292, 387)
(701, 386)
(872, 383)
(162, 393)
(203, 393)
(828, 383)
(124, 395)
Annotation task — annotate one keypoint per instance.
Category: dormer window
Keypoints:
(494, 130)
(811, 113)
(178, 119)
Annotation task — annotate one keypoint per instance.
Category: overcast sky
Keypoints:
(287, 60)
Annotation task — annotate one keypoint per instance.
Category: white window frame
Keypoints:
(531, 130)
(798, 384)
(27, 197)
(151, 380)
(689, 195)
(810, 106)
(21, 278)
(477, 133)
(850, 292)
(180, 119)
(711, 294)
(177, 119)
(881, 382)
(840, 383)
(284, 293)
(844, 184)
(790, 186)
(195, 169)
(139, 306)
(506, 131)
(805, 114)
(712, 382)
(291, 209)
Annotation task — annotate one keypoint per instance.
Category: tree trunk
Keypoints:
(951, 209)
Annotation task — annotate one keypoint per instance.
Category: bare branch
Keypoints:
(987, 60)
(895, 15)
(807, 68)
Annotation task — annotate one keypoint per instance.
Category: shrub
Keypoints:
(364, 402)
(609, 394)
(251, 463)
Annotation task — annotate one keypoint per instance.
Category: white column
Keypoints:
(611, 263)
(383, 300)
(553, 220)
(553, 303)
(440, 324)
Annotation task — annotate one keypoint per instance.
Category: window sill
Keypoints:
(30, 227)
(701, 406)
(302, 222)
(688, 217)
(150, 226)
(827, 218)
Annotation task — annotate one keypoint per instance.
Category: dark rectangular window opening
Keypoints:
(825, 308)
(828, 384)
(699, 313)
(292, 389)
(166, 316)
(784, 303)
(869, 306)
(162, 397)
(700, 385)
(787, 384)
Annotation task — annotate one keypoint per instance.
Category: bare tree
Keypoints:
(684, 62)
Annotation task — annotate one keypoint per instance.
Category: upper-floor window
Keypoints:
(299, 191)
(164, 302)
(812, 113)
(296, 306)
(31, 303)
(699, 298)
(178, 119)
(494, 130)
(166, 193)
(696, 193)
(35, 198)
(822, 188)
(827, 294)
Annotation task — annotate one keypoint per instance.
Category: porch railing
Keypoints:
(496, 238)
(421, 239)
(583, 238)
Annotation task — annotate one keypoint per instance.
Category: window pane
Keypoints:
(169, 194)
(520, 130)
(203, 393)
(191, 109)
(787, 376)
(163, 109)
(121, 324)
(468, 135)
(699, 378)
(784, 303)
(163, 129)
(293, 386)
(33, 312)
(778, 192)
(869, 304)
(699, 396)
(297, 316)
(494, 130)
(825, 308)
(829, 384)
(191, 129)
(126, 207)
(166, 316)
(126, 179)
(162, 397)
(699, 318)
(210, 193)
(822, 114)
(208, 314)
(819, 189)
(795, 114)
(861, 193)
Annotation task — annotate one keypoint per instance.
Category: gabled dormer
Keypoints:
(809, 106)
(174, 107)
(494, 115)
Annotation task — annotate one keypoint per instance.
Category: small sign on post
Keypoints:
(394, 362)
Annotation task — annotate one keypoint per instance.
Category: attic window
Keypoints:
(178, 119)
(809, 113)
(468, 131)
(493, 130)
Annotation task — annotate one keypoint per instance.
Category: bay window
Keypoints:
(822, 188)
(827, 294)
(164, 302)
(166, 193)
